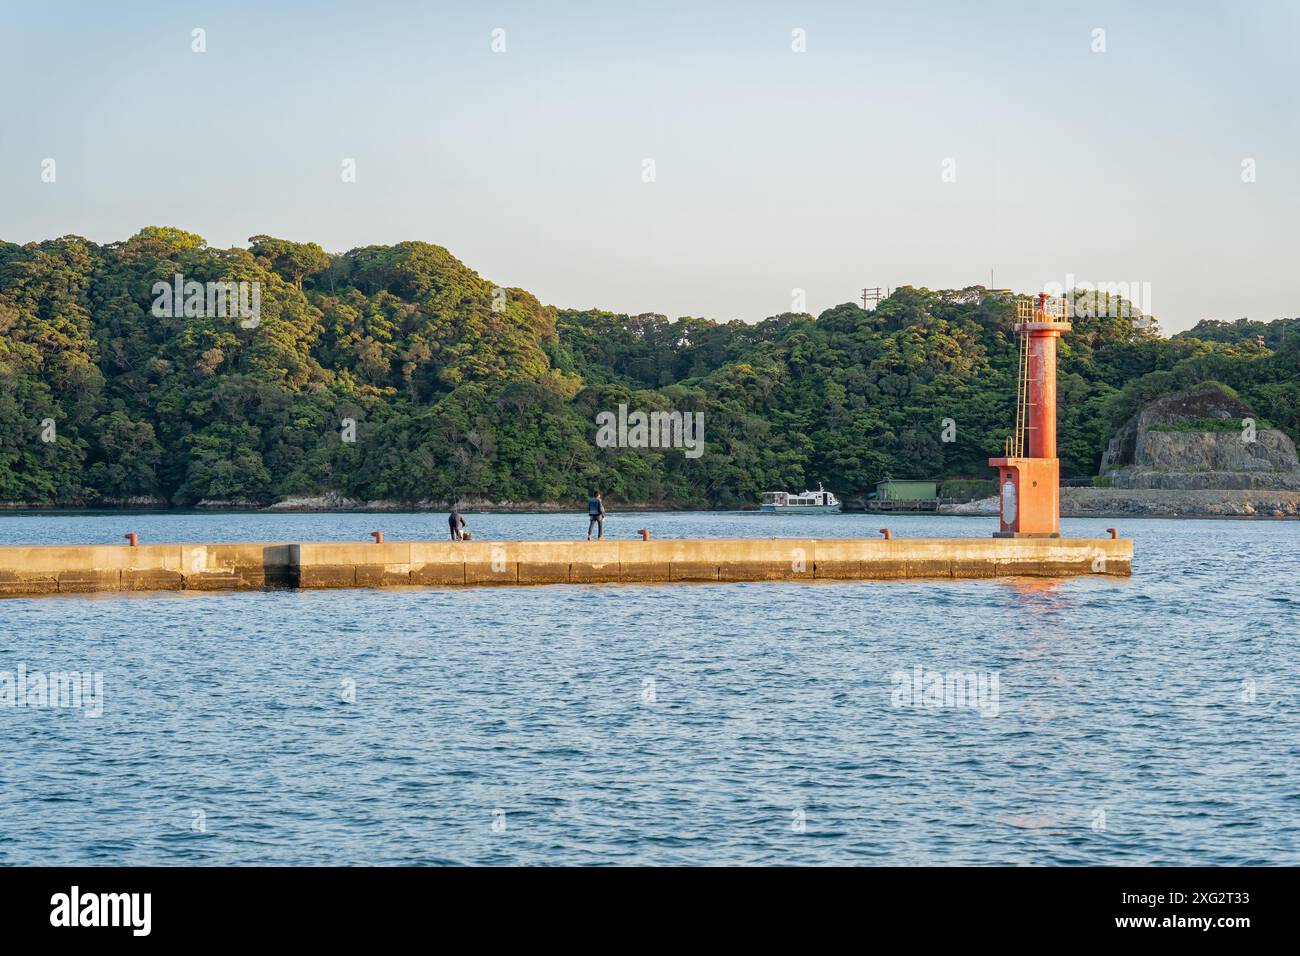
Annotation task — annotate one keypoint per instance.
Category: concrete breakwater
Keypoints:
(58, 569)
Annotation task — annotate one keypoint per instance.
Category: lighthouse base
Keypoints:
(1029, 493)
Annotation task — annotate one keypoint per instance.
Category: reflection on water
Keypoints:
(1032, 587)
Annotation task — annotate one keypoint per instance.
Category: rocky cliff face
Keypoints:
(1162, 447)
(1271, 450)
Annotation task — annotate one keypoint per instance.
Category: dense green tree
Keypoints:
(396, 372)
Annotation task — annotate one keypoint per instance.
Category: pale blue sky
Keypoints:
(775, 170)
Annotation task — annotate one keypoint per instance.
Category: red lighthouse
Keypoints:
(1029, 472)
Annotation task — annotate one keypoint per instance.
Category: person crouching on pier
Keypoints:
(457, 525)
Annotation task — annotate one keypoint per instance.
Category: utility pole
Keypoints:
(872, 295)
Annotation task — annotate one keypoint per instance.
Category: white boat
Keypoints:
(808, 503)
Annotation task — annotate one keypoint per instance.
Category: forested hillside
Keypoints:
(460, 389)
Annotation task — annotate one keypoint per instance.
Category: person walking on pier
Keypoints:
(457, 525)
(595, 514)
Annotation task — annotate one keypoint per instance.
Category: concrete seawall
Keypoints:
(50, 569)
(59, 569)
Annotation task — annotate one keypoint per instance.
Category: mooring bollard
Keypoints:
(644, 533)
(887, 533)
(133, 539)
(1114, 533)
(378, 536)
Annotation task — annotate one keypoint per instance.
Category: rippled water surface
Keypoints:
(1142, 720)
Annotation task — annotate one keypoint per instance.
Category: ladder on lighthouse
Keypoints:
(1042, 308)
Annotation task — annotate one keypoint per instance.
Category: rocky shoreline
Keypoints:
(1158, 503)
(326, 504)
(1075, 503)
